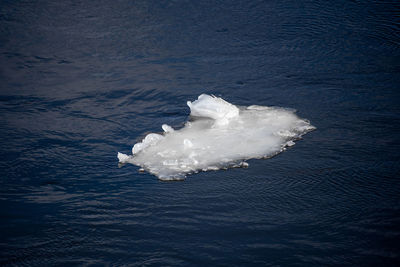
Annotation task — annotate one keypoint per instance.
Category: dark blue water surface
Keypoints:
(81, 80)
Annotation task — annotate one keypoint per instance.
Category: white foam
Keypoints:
(220, 135)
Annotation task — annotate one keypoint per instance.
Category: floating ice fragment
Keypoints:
(167, 128)
(220, 135)
(123, 158)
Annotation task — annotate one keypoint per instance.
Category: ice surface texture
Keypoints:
(221, 135)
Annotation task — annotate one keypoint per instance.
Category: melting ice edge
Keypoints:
(220, 135)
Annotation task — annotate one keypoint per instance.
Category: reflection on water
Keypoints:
(81, 81)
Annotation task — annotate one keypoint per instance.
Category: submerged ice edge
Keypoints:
(221, 135)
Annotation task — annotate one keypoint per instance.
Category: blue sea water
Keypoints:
(81, 80)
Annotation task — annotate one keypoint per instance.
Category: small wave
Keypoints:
(219, 135)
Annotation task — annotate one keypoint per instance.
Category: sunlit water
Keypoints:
(80, 81)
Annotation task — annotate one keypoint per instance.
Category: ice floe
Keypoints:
(219, 135)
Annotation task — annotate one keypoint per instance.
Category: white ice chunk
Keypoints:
(167, 128)
(123, 158)
(290, 143)
(219, 136)
(149, 140)
(213, 107)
